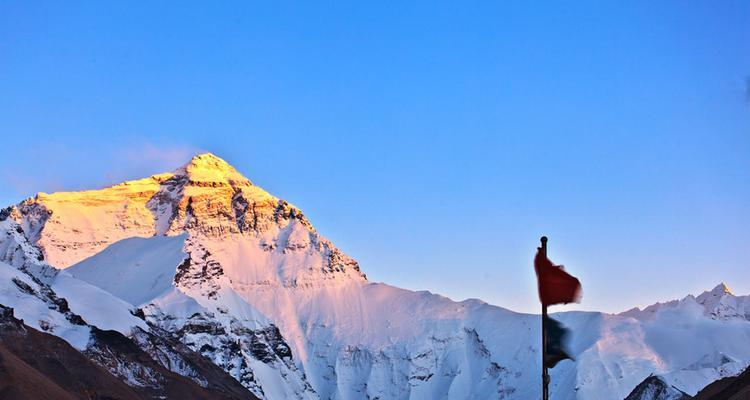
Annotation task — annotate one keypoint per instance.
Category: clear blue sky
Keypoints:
(434, 142)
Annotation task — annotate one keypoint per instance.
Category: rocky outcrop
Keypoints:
(37, 365)
(729, 388)
(235, 346)
(17, 250)
(654, 388)
(199, 272)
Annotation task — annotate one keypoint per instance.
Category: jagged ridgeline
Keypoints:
(200, 276)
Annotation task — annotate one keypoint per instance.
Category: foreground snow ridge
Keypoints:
(203, 258)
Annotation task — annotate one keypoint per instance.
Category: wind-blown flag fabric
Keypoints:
(557, 342)
(555, 285)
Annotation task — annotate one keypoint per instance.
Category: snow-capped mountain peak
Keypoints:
(718, 303)
(209, 260)
(208, 168)
(719, 290)
(721, 303)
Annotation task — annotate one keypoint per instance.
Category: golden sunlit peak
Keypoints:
(722, 287)
(207, 167)
(208, 160)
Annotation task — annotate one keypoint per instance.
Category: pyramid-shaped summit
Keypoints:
(208, 168)
(722, 289)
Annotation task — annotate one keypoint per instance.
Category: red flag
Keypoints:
(555, 285)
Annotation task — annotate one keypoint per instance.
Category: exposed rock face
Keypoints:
(17, 250)
(237, 346)
(37, 365)
(654, 388)
(208, 197)
(199, 271)
(730, 388)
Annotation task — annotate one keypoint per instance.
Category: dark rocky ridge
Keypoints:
(732, 388)
(37, 365)
(654, 388)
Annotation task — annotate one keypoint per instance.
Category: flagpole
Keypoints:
(545, 375)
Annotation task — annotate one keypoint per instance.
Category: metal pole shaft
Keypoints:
(545, 374)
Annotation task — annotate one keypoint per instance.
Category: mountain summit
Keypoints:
(721, 289)
(208, 168)
(206, 196)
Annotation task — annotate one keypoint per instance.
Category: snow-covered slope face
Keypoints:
(721, 303)
(696, 340)
(683, 342)
(40, 308)
(243, 278)
(145, 267)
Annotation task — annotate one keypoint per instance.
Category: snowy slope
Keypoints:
(26, 263)
(712, 326)
(145, 267)
(99, 307)
(674, 341)
(39, 308)
(245, 279)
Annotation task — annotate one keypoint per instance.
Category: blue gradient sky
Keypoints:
(433, 142)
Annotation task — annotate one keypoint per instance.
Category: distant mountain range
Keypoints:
(199, 282)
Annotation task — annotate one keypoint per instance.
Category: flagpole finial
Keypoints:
(544, 240)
